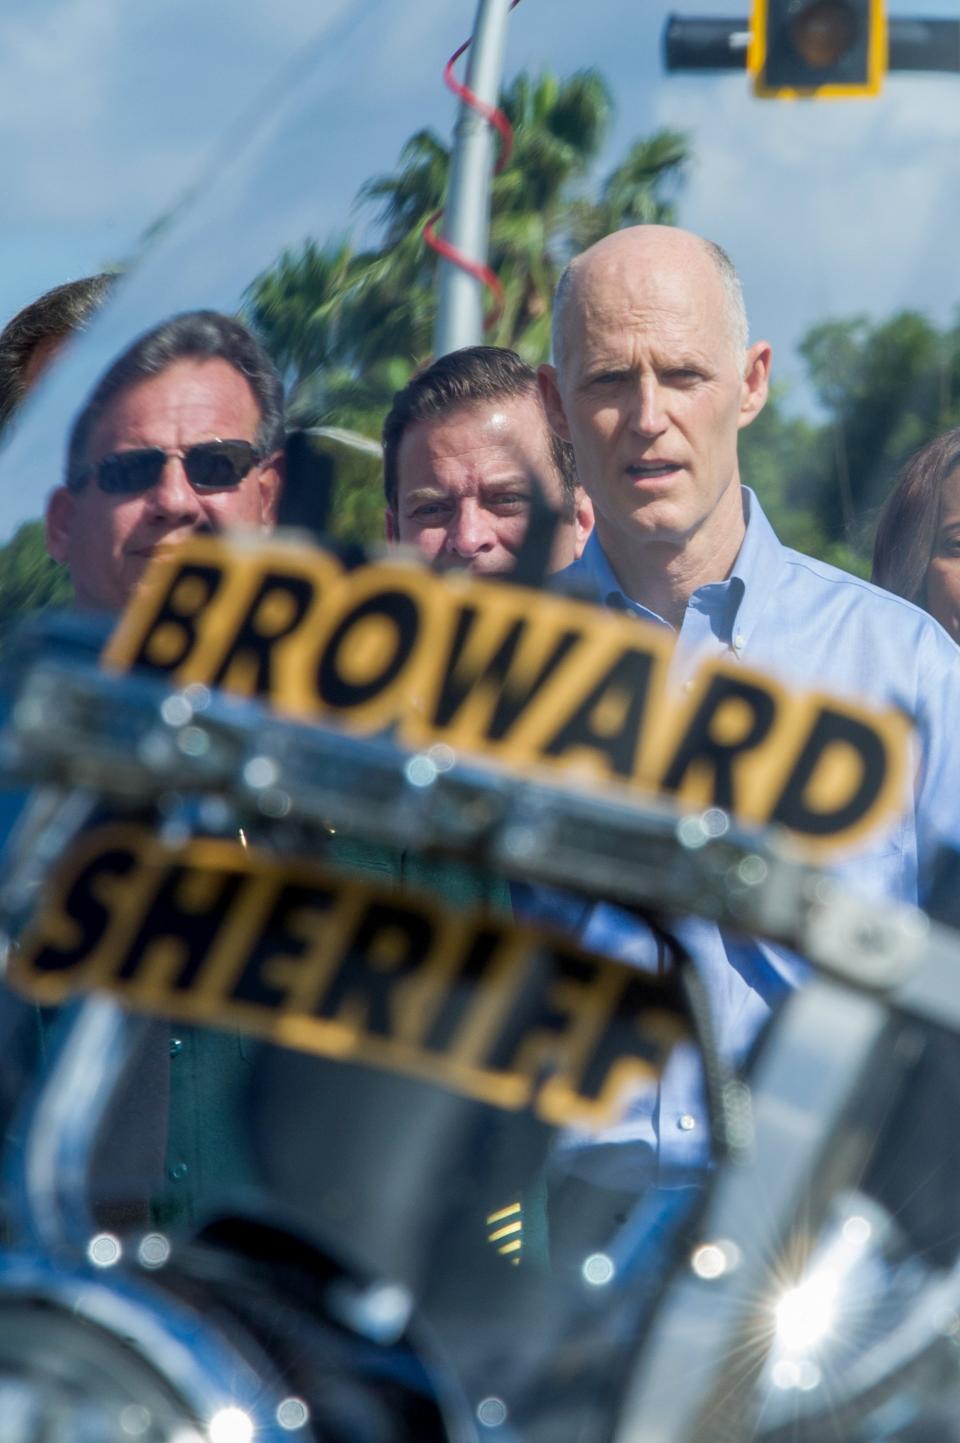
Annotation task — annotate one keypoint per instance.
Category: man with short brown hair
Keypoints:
(465, 446)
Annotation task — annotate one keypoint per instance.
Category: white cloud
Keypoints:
(107, 107)
(829, 208)
(290, 170)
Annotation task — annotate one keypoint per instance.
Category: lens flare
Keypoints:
(805, 1314)
(230, 1425)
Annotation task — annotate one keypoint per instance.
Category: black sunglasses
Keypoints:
(210, 466)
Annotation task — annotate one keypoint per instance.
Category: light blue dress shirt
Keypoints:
(815, 627)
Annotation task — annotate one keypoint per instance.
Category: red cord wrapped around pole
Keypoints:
(464, 243)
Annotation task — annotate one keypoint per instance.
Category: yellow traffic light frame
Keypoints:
(877, 60)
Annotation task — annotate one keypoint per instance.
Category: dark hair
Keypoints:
(461, 378)
(907, 533)
(51, 317)
(194, 335)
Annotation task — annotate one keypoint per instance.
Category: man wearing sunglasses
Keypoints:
(183, 433)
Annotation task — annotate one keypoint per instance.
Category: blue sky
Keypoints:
(109, 111)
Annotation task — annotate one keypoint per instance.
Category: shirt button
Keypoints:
(689, 684)
(739, 641)
(176, 1046)
(179, 1171)
(686, 1122)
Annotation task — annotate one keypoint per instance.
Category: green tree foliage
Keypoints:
(785, 458)
(348, 327)
(885, 388)
(29, 580)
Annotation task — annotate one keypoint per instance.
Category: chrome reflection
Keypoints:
(856, 1285)
(92, 1358)
(292, 1413)
(598, 1270)
(713, 1260)
(154, 1250)
(231, 1425)
(492, 1412)
(104, 1250)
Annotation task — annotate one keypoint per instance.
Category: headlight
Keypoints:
(84, 1361)
(245, 1335)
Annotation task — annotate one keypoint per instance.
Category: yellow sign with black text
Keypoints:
(532, 680)
(212, 933)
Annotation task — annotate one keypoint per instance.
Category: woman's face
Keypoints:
(943, 573)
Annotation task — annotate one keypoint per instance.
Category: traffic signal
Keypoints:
(824, 49)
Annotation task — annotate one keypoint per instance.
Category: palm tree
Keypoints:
(637, 191)
(328, 306)
(559, 127)
(348, 328)
(297, 307)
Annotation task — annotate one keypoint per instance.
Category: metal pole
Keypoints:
(466, 224)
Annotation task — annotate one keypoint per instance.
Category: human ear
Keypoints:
(272, 475)
(552, 402)
(756, 382)
(582, 521)
(58, 523)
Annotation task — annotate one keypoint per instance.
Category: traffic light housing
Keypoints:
(822, 49)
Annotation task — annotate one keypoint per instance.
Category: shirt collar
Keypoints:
(760, 564)
(739, 600)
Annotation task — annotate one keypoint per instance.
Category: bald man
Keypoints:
(653, 381)
(654, 378)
